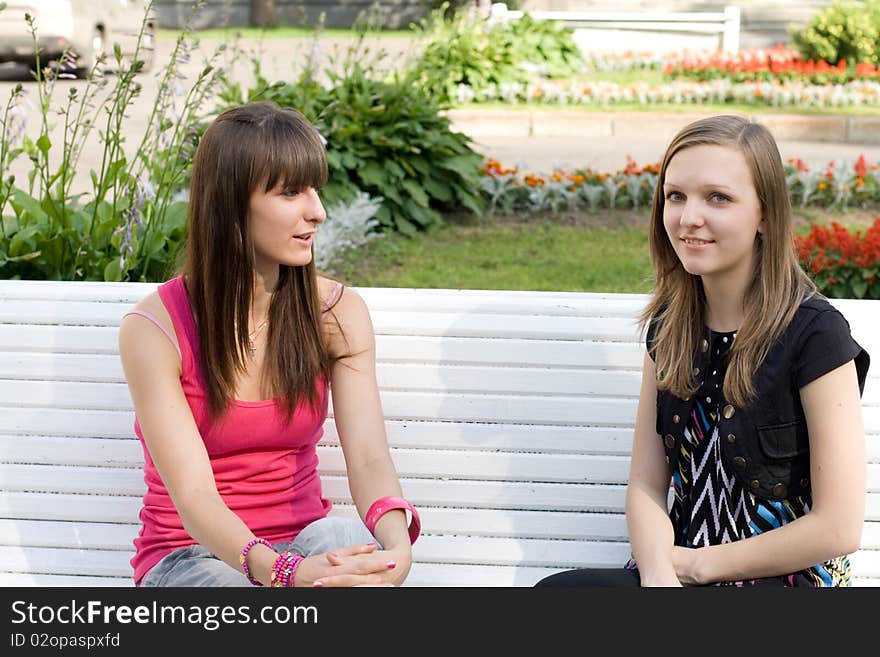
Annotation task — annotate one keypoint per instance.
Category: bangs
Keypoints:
(293, 155)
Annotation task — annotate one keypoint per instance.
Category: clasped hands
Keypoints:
(355, 565)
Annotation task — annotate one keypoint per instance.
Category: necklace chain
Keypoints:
(252, 347)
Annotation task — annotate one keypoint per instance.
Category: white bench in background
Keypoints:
(509, 416)
(641, 30)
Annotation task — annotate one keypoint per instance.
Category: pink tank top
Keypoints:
(265, 467)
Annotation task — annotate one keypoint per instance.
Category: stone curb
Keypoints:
(569, 123)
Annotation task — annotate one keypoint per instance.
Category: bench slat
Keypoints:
(421, 492)
(66, 450)
(456, 494)
(26, 403)
(76, 368)
(485, 466)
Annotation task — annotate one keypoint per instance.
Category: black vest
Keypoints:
(765, 445)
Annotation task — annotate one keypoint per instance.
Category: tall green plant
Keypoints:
(130, 224)
(466, 49)
(385, 136)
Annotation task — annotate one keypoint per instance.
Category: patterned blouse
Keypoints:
(711, 507)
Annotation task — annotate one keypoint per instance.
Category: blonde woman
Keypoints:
(751, 384)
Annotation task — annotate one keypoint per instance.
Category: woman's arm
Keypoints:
(152, 370)
(650, 530)
(360, 423)
(833, 526)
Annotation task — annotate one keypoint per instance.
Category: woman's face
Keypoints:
(282, 225)
(712, 213)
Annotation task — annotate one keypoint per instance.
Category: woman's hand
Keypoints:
(355, 565)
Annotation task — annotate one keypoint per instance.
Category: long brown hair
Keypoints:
(777, 287)
(245, 148)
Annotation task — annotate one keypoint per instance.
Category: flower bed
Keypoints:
(774, 93)
(838, 184)
(842, 264)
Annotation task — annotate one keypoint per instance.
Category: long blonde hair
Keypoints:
(778, 285)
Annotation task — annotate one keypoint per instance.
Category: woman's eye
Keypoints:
(719, 198)
(290, 193)
(674, 196)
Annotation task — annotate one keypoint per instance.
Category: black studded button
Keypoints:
(728, 411)
(778, 490)
(805, 482)
(676, 419)
(705, 345)
(739, 463)
(669, 441)
(755, 484)
(731, 438)
(667, 460)
(696, 371)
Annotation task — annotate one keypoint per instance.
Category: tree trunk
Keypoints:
(264, 13)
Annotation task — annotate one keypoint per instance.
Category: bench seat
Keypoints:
(509, 416)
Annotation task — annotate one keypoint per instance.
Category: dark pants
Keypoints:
(593, 577)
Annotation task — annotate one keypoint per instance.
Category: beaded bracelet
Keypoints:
(242, 558)
(284, 570)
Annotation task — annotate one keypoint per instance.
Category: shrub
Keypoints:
(842, 264)
(385, 137)
(845, 31)
(468, 50)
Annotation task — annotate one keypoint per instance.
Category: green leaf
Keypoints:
(371, 173)
(437, 189)
(113, 272)
(859, 289)
(24, 202)
(416, 193)
(44, 144)
(405, 227)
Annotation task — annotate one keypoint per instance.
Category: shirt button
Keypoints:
(778, 490)
(739, 463)
(676, 419)
(669, 441)
(696, 371)
(755, 484)
(729, 411)
(731, 438)
(705, 345)
(805, 482)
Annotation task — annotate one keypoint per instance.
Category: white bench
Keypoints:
(509, 415)
(601, 30)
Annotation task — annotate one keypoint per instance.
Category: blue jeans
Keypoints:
(197, 566)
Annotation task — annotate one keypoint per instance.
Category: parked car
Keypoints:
(86, 28)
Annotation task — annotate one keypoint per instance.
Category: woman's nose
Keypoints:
(317, 213)
(691, 215)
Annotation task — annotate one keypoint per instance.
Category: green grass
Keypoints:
(571, 252)
(535, 255)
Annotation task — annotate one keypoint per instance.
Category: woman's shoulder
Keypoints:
(148, 313)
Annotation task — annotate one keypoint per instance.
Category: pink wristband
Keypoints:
(385, 504)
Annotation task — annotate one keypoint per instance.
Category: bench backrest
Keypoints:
(509, 415)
